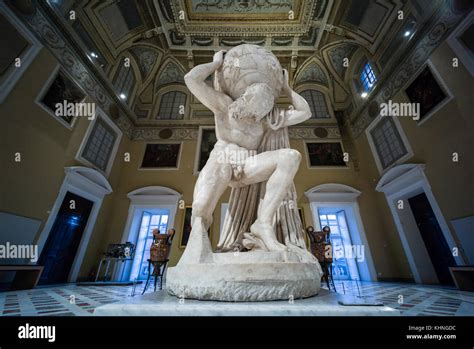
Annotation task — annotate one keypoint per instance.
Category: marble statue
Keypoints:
(261, 254)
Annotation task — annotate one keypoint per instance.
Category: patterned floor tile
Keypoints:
(73, 300)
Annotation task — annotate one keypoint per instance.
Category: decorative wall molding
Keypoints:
(191, 133)
(40, 20)
(308, 132)
(442, 23)
(148, 134)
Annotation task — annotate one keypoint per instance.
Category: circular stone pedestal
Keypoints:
(244, 280)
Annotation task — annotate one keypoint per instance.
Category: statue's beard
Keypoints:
(243, 110)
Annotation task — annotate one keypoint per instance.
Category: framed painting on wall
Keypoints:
(19, 49)
(60, 89)
(301, 213)
(206, 141)
(161, 156)
(325, 154)
(427, 90)
(186, 229)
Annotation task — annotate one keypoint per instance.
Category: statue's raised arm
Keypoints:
(300, 111)
(216, 101)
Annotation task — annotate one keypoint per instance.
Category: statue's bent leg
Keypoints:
(278, 168)
(211, 184)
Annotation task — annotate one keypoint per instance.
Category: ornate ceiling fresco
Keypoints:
(163, 39)
(204, 24)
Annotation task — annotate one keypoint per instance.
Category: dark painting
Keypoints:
(325, 154)
(426, 91)
(186, 231)
(186, 227)
(161, 156)
(208, 140)
(62, 89)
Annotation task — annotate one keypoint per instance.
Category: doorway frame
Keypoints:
(141, 199)
(89, 184)
(400, 183)
(343, 196)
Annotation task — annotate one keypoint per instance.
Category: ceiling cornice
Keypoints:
(444, 19)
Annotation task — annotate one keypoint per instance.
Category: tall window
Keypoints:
(124, 82)
(158, 219)
(172, 106)
(387, 142)
(367, 77)
(317, 104)
(99, 145)
(343, 266)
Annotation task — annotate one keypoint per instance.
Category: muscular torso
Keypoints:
(244, 133)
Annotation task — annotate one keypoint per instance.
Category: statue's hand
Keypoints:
(286, 83)
(219, 57)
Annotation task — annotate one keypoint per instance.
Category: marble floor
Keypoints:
(73, 300)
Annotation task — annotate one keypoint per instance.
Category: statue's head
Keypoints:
(255, 103)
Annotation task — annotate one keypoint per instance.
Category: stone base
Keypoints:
(247, 276)
(162, 304)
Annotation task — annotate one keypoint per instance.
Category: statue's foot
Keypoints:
(251, 242)
(266, 234)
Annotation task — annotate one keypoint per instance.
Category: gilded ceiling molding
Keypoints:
(229, 23)
(442, 23)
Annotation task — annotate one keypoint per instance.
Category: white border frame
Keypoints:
(198, 148)
(441, 83)
(45, 89)
(400, 183)
(345, 197)
(373, 149)
(99, 113)
(13, 75)
(458, 47)
(308, 164)
(178, 161)
(89, 184)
